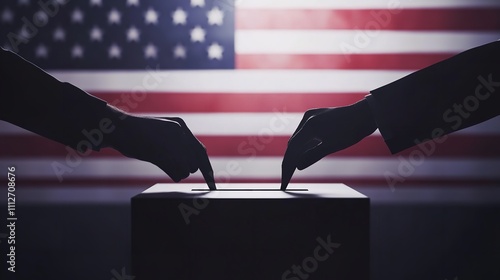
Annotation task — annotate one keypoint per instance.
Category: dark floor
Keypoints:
(409, 240)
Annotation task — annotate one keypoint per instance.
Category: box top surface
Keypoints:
(254, 191)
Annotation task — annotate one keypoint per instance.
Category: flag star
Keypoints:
(133, 34)
(77, 16)
(95, 34)
(197, 3)
(23, 2)
(150, 51)
(215, 16)
(215, 51)
(179, 51)
(41, 51)
(151, 16)
(25, 33)
(114, 51)
(7, 15)
(59, 34)
(179, 16)
(96, 3)
(133, 3)
(198, 34)
(77, 51)
(114, 16)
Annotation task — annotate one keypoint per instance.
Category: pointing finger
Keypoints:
(201, 155)
(287, 170)
(206, 168)
(301, 142)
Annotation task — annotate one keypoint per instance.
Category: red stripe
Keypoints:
(409, 19)
(227, 102)
(406, 61)
(146, 183)
(456, 146)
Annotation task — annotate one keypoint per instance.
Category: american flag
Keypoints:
(241, 74)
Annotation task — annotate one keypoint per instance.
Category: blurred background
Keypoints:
(241, 74)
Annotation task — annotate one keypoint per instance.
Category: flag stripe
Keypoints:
(363, 4)
(264, 168)
(280, 123)
(456, 146)
(364, 42)
(403, 61)
(227, 102)
(226, 81)
(373, 182)
(385, 19)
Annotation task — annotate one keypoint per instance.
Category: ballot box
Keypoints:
(250, 231)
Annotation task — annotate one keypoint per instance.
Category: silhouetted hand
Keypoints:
(166, 142)
(325, 131)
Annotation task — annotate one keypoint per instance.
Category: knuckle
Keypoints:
(308, 113)
(180, 121)
(311, 112)
(312, 121)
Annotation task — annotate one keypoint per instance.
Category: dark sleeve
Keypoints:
(450, 95)
(36, 101)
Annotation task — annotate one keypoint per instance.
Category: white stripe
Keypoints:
(230, 81)
(217, 123)
(362, 4)
(243, 123)
(263, 168)
(357, 41)
(277, 124)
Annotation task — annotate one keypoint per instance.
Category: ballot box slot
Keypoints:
(249, 190)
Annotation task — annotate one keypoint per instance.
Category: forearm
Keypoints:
(36, 101)
(450, 95)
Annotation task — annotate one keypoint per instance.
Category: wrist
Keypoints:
(365, 116)
(117, 118)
